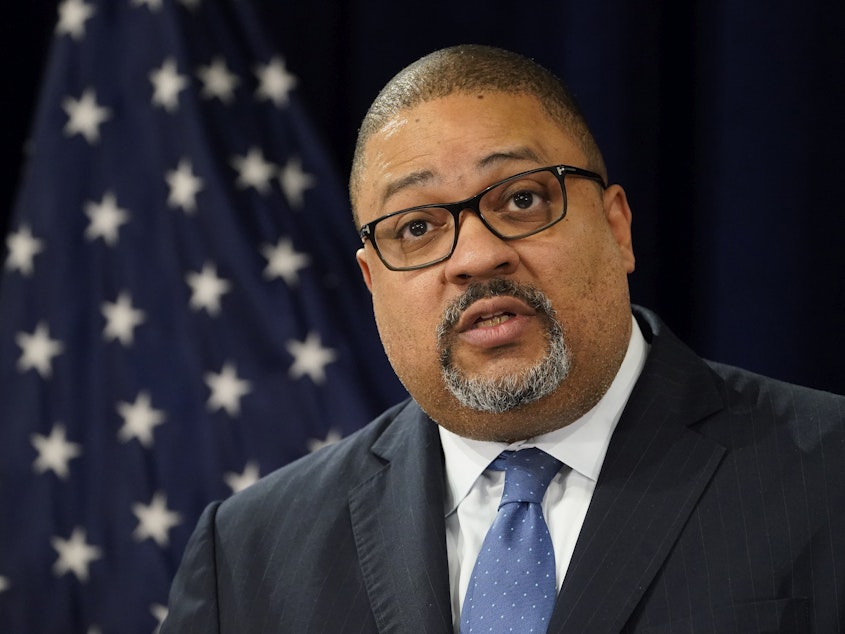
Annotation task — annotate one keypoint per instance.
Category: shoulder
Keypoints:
(738, 385)
(748, 387)
(729, 396)
(326, 476)
(807, 417)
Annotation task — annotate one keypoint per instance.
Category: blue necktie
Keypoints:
(513, 588)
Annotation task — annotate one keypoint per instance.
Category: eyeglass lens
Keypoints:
(514, 208)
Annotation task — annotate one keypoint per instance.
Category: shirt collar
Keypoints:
(580, 445)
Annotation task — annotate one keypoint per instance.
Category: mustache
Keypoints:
(532, 296)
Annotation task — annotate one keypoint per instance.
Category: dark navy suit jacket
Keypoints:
(720, 508)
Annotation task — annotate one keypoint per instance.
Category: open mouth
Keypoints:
(487, 321)
(492, 311)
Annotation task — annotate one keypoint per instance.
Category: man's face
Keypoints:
(450, 149)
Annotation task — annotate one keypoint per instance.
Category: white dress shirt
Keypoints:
(473, 493)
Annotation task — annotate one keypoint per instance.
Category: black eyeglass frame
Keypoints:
(367, 231)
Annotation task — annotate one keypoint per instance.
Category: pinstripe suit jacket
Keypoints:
(720, 508)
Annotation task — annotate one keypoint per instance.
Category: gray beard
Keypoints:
(505, 393)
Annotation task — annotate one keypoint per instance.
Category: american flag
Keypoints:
(180, 309)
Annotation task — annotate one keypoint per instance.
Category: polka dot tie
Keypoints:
(513, 588)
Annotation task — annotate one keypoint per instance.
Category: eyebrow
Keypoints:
(414, 178)
(520, 153)
(423, 177)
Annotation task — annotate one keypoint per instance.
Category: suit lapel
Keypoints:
(397, 520)
(655, 471)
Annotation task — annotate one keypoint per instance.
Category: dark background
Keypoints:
(724, 120)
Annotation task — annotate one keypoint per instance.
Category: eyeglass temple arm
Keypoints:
(582, 173)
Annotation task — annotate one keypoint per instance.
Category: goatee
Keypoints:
(510, 391)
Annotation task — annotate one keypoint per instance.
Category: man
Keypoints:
(694, 496)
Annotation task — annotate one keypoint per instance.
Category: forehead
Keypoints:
(455, 145)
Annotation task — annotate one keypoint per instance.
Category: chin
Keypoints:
(517, 423)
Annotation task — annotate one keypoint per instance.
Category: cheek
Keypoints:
(407, 319)
(585, 253)
(564, 264)
(583, 276)
(593, 303)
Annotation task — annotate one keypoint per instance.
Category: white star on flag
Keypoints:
(226, 390)
(167, 84)
(253, 170)
(139, 419)
(4, 584)
(207, 289)
(158, 610)
(85, 116)
(331, 438)
(23, 247)
(240, 481)
(155, 520)
(310, 357)
(184, 186)
(72, 17)
(54, 452)
(218, 81)
(121, 319)
(106, 218)
(75, 554)
(283, 261)
(38, 350)
(152, 5)
(275, 82)
(295, 181)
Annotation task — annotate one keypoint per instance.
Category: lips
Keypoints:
(492, 320)
(491, 312)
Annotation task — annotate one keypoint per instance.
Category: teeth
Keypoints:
(495, 320)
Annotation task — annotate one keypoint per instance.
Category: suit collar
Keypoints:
(655, 470)
(397, 521)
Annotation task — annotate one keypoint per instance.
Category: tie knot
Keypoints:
(527, 474)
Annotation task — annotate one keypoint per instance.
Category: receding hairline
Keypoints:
(468, 69)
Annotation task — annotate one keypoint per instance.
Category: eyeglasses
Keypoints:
(516, 207)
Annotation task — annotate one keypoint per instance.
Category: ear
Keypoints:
(618, 214)
(364, 265)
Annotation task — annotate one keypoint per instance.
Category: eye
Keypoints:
(415, 228)
(528, 198)
(420, 226)
(523, 199)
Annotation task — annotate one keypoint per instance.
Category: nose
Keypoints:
(479, 253)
